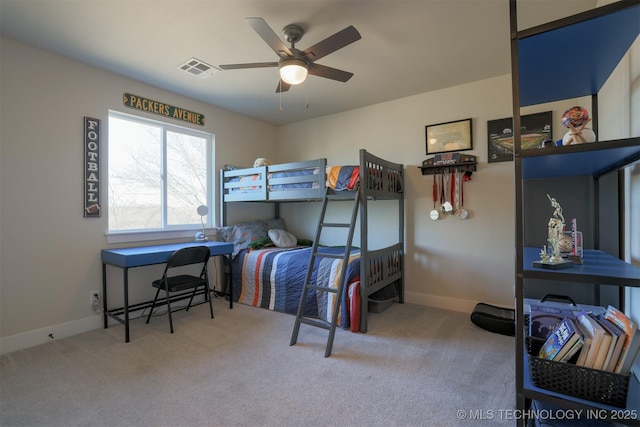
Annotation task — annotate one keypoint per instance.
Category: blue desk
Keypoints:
(140, 256)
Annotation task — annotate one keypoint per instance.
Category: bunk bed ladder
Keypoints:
(307, 286)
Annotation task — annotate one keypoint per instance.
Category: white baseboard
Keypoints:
(446, 303)
(63, 330)
(43, 335)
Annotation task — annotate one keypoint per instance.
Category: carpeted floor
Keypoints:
(417, 366)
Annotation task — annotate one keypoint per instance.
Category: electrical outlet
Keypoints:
(94, 298)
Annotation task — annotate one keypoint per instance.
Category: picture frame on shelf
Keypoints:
(449, 137)
(536, 132)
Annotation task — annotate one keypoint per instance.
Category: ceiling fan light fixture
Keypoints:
(293, 71)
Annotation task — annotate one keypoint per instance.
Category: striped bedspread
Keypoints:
(272, 278)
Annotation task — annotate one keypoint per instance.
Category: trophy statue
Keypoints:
(555, 232)
(555, 227)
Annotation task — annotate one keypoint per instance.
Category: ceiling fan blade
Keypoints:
(250, 65)
(329, 73)
(282, 86)
(269, 36)
(332, 43)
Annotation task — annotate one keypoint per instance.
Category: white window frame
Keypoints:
(168, 231)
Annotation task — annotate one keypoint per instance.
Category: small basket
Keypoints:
(566, 378)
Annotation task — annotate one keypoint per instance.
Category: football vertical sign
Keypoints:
(91, 167)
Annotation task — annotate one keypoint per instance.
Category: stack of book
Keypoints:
(608, 342)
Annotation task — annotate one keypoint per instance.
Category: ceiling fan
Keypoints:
(295, 64)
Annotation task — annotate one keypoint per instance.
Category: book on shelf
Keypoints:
(586, 345)
(618, 338)
(543, 319)
(600, 341)
(632, 341)
(628, 358)
(561, 341)
(571, 353)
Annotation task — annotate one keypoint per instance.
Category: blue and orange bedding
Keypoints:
(343, 177)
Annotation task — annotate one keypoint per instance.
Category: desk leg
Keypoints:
(230, 282)
(104, 296)
(126, 304)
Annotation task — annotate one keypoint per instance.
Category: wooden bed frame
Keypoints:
(379, 180)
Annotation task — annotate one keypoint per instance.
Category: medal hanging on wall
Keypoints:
(447, 207)
(435, 213)
(458, 191)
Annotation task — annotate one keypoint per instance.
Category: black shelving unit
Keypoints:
(607, 33)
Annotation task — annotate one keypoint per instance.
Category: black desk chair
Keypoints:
(179, 283)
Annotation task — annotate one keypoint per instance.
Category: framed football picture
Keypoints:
(535, 133)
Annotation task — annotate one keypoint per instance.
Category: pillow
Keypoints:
(282, 238)
(242, 234)
(274, 223)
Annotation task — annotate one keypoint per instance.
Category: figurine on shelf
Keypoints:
(576, 119)
(551, 254)
(544, 256)
(555, 234)
(555, 229)
(557, 213)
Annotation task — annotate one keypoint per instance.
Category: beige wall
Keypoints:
(450, 263)
(50, 254)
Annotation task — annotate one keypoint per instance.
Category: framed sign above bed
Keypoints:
(448, 137)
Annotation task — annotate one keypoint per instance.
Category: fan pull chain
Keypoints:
(306, 93)
(280, 95)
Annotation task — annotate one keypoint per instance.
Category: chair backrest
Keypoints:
(189, 255)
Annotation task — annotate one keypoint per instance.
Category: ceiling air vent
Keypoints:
(197, 68)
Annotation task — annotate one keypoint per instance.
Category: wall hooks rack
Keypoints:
(449, 163)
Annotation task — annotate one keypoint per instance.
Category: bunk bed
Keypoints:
(370, 271)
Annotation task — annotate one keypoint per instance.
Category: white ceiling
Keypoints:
(407, 47)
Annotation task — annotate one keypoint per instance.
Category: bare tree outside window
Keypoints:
(157, 174)
(186, 177)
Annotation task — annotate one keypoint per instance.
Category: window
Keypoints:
(158, 175)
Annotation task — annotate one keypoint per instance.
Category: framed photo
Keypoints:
(535, 133)
(448, 137)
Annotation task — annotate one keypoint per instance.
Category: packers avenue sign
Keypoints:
(166, 110)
